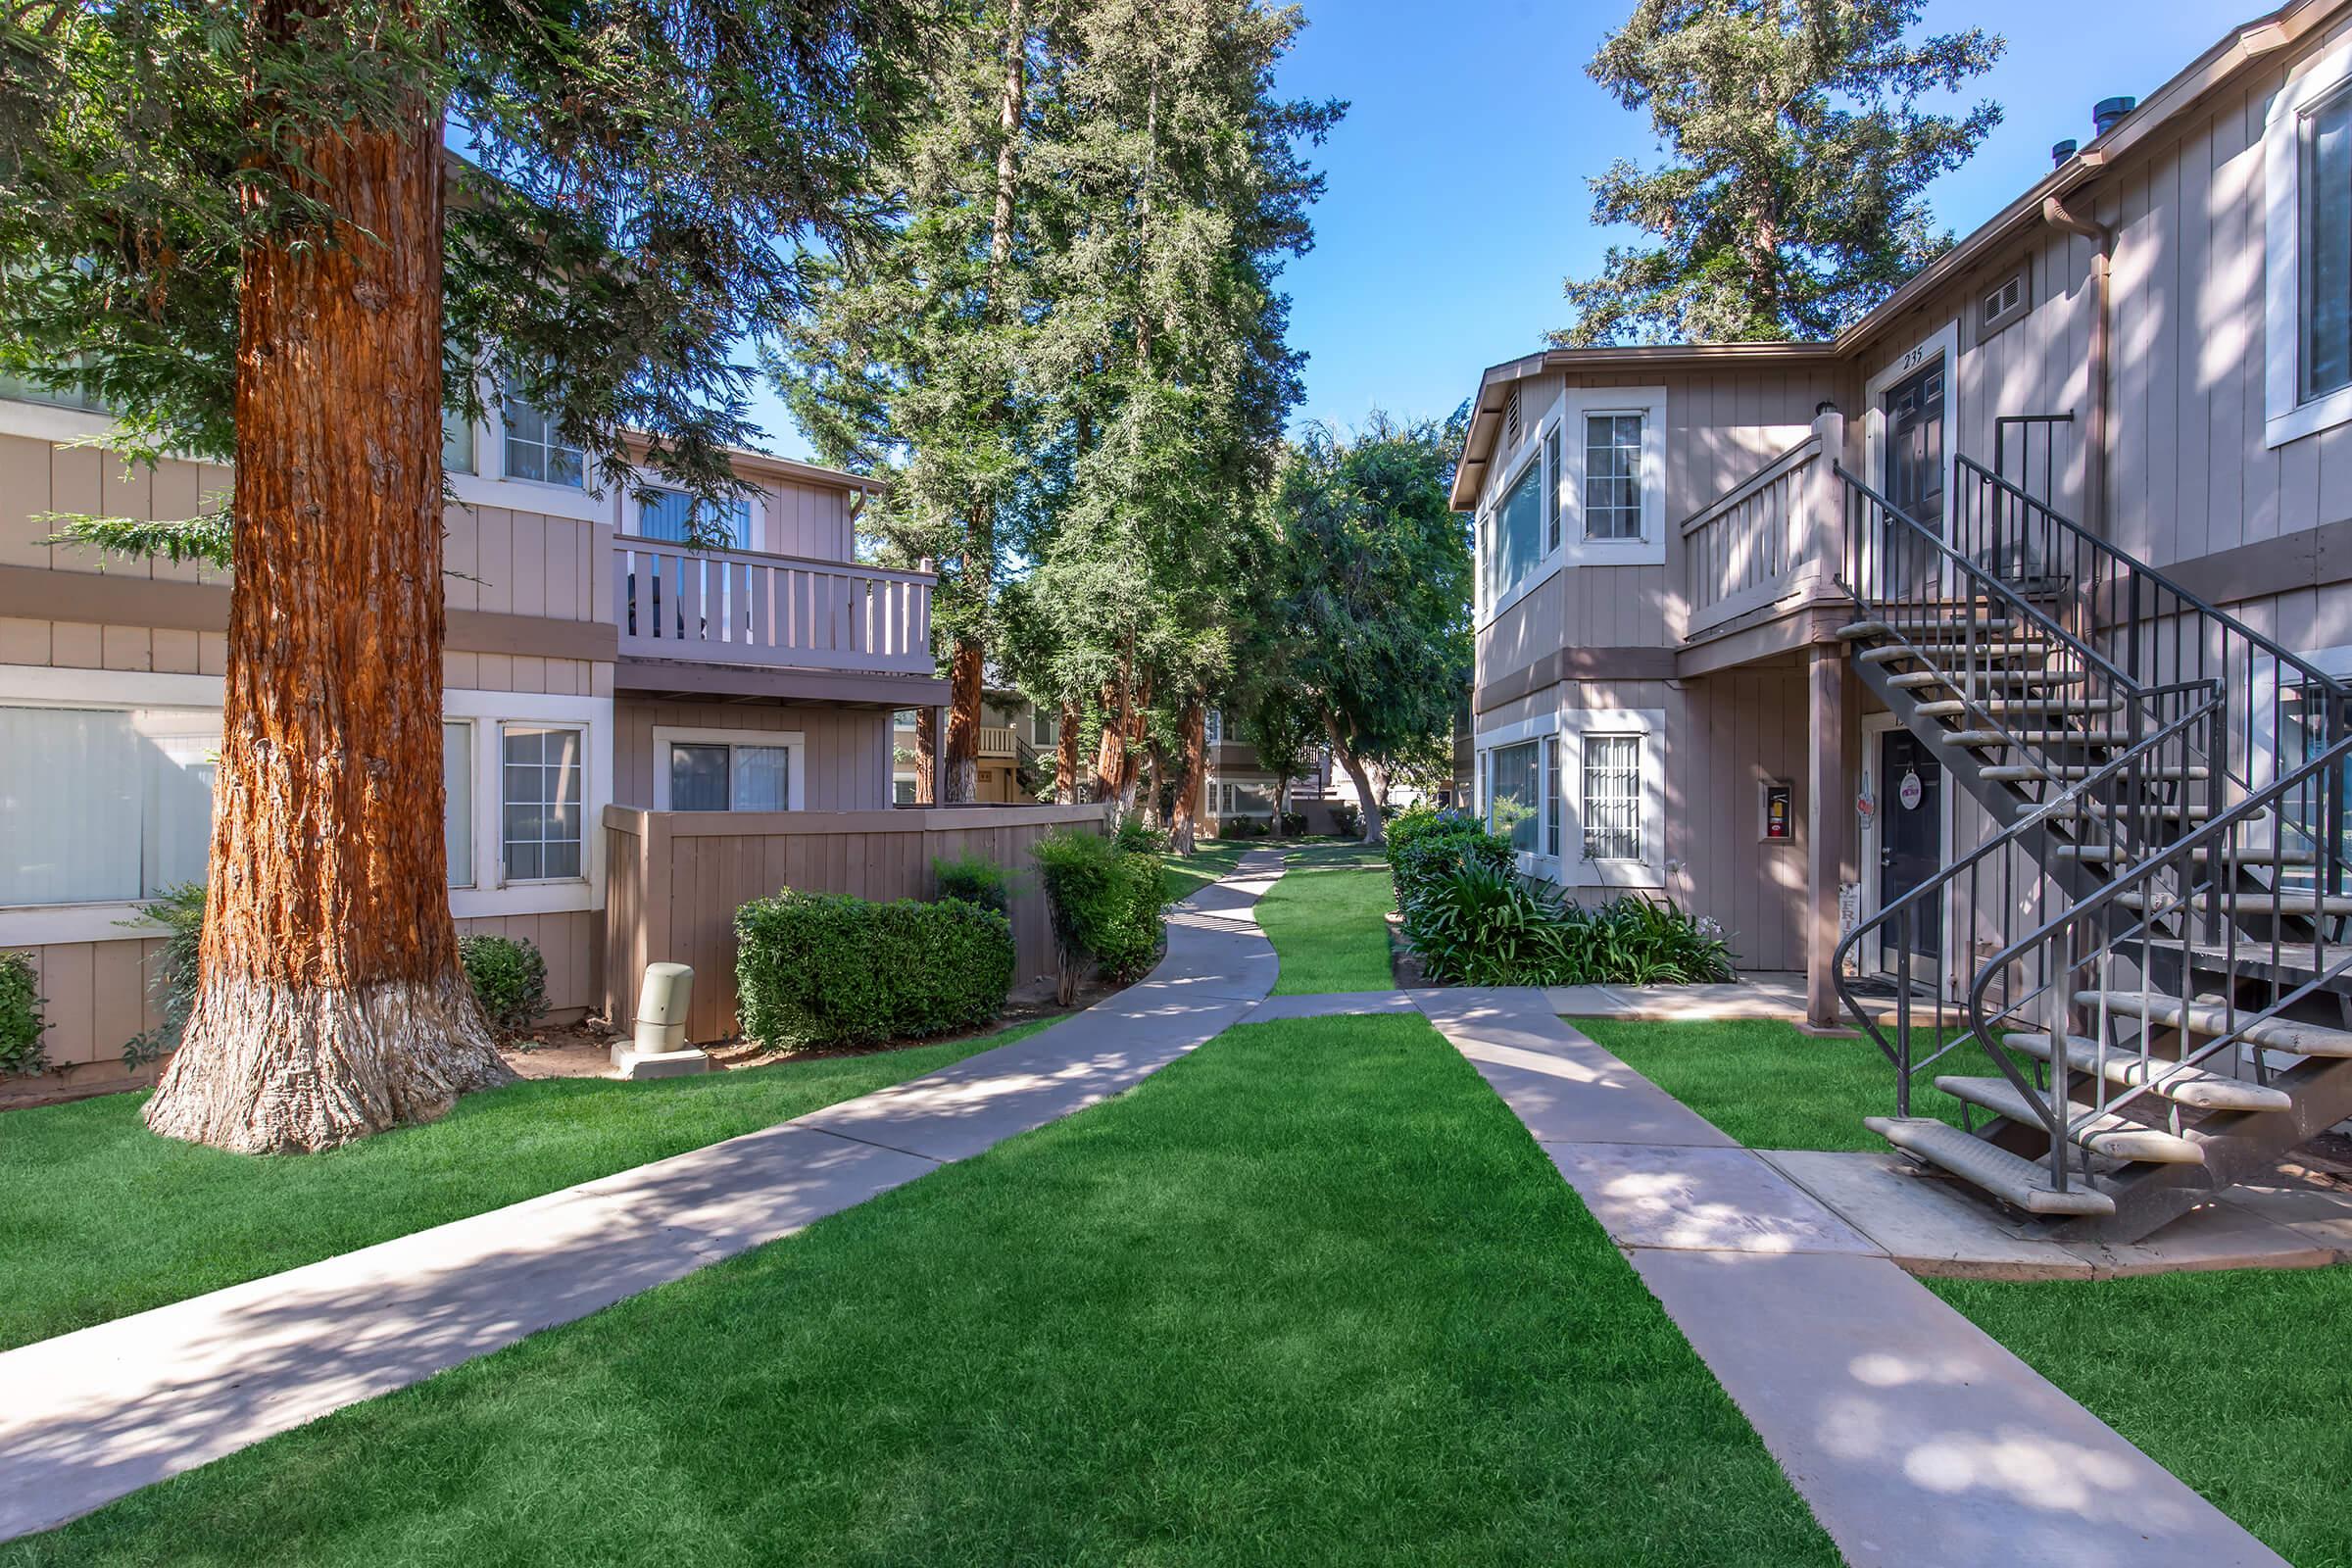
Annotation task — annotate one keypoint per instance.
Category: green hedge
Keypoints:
(509, 976)
(826, 968)
(21, 1053)
(1105, 898)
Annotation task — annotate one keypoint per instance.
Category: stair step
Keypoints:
(2026, 772)
(1978, 739)
(2252, 855)
(2185, 1086)
(2211, 1018)
(1965, 680)
(2016, 1181)
(2293, 901)
(2056, 702)
(1982, 651)
(2115, 1137)
(2080, 810)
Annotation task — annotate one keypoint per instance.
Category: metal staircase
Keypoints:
(2149, 944)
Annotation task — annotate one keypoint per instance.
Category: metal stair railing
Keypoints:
(2102, 943)
(2181, 720)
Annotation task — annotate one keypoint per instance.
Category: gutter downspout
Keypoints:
(2094, 474)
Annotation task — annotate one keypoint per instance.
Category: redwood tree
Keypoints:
(239, 226)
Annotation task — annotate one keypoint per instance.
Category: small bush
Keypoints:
(1241, 827)
(1425, 848)
(509, 977)
(1104, 899)
(172, 973)
(1348, 819)
(1137, 838)
(1481, 923)
(22, 1052)
(826, 968)
(975, 879)
(1294, 823)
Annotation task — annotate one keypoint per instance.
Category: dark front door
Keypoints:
(1915, 456)
(1910, 847)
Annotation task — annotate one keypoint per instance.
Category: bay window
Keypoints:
(2307, 251)
(1515, 795)
(1513, 535)
(1612, 797)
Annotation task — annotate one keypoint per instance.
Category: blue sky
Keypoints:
(1457, 200)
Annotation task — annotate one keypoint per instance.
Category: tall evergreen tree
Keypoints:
(1793, 194)
(239, 224)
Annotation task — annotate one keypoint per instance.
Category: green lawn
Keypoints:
(1770, 1086)
(2235, 1382)
(1188, 874)
(1309, 1296)
(1324, 919)
(104, 1219)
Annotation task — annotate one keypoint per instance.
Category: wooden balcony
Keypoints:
(1770, 540)
(997, 740)
(742, 607)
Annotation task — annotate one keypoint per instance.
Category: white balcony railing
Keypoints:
(739, 606)
(1769, 537)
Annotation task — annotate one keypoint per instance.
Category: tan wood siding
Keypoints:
(847, 766)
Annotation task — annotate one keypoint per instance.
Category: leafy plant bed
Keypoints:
(106, 1219)
(1310, 1295)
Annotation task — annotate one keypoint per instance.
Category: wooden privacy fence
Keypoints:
(673, 881)
(1773, 534)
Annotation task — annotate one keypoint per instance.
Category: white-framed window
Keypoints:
(1512, 533)
(1615, 489)
(1612, 798)
(104, 804)
(1212, 727)
(1045, 729)
(76, 396)
(457, 442)
(2003, 304)
(457, 799)
(1551, 797)
(670, 515)
(2307, 259)
(536, 451)
(732, 770)
(1515, 798)
(542, 772)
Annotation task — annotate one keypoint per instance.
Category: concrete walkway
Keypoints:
(1916, 1439)
(91, 1417)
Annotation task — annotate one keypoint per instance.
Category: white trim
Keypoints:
(1520, 733)
(1650, 871)
(52, 421)
(1547, 560)
(1943, 343)
(1649, 401)
(796, 769)
(2287, 416)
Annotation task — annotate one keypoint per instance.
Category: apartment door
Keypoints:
(1910, 849)
(1915, 455)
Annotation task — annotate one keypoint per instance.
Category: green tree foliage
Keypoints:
(1793, 194)
(611, 227)
(1365, 608)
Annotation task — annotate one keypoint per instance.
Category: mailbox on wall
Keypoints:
(1780, 809)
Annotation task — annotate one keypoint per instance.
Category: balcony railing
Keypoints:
(1770, 536)
(740, 607)
(995, 740)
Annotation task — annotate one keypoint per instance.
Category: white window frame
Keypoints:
(1539, 728)
(1532, 447)
(1572, 724)
(2287, 418)
(1649, 403)
(466, 878)
(591, 828)
(755, 514)
(796, 773)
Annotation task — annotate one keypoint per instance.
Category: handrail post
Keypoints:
(1826, 501)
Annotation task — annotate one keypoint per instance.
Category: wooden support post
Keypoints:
(1824, 827)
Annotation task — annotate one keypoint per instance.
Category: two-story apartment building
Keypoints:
(595, 665)
(2147, 352)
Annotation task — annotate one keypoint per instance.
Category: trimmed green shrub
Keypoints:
(1293, 823)
(975, 879)
(1348, 819)
(172, 973)
(21, 1053)
(509, 977)
(827, 968)
(1138, 838)
(1484, 924)
(1241, 827)
(1425, 848)
(1104, 899)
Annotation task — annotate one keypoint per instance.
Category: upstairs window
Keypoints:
(1515, 533)
(457, 442)
(2325, 154)
(2307, 251)
(670, 515)
(1612, 496)
(537, 452)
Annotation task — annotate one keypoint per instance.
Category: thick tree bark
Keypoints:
(926, 756)
(331, 1005)
(965, 671)
(1196, 772)
(1367, 797)
(1065, 755)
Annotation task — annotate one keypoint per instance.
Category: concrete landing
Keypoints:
(1932, 1226)
(91, 1417)
(1917, 1441)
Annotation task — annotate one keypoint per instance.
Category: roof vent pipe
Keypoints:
(2060, 152)
(2107, 111)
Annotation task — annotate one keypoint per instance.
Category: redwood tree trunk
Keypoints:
(1196, 772)
(963, 722)
(1065, 756)
(926, 756)
(1110, 754)
(331, 1005)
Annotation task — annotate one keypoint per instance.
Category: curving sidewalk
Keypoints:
(93, 1415)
